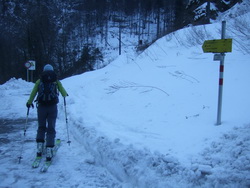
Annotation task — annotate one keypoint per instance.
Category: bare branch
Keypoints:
(126, 85)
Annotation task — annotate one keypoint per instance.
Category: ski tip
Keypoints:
(45, 167)
(43, 170)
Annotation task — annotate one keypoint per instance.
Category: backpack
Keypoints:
(47, 89)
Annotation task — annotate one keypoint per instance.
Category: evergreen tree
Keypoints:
(65, 33)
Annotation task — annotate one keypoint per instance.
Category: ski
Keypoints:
(36, 162)
(47, 164)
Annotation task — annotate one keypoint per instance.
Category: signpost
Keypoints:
(30, 65)
(219, 46)
(217, 57)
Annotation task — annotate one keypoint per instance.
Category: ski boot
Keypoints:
(39, 149)
(49, 153)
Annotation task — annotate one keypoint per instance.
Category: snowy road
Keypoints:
(73, 165)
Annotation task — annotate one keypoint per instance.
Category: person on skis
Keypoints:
(46, 88)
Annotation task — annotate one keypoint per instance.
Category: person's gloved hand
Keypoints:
(29, 105)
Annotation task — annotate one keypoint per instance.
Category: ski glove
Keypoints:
(29, 105)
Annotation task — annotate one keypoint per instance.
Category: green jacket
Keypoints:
(35, 90)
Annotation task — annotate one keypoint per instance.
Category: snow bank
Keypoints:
(151, 120)
(13, 98)
(223, 164)
(231, 151)
(136, 168)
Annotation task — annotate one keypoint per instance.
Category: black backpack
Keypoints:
(47, 89)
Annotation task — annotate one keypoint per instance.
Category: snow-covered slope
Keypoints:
(151, 119)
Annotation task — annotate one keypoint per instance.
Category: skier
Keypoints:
(46, 88)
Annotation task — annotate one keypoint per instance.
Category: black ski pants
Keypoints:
(47, 115)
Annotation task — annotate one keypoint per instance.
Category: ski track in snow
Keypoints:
(73, 166)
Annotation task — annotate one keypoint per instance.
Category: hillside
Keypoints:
(78, 36)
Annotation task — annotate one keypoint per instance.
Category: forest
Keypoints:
(75, 35)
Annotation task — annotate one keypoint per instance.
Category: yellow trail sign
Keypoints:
(217, 46)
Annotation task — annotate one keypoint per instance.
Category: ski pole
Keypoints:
(24, 134)
(66, 121)
(25, 126)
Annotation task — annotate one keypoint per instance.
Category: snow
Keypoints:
(236, 11)
(143, 121)
(202, 10)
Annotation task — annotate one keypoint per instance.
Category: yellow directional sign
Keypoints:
(217, 46)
